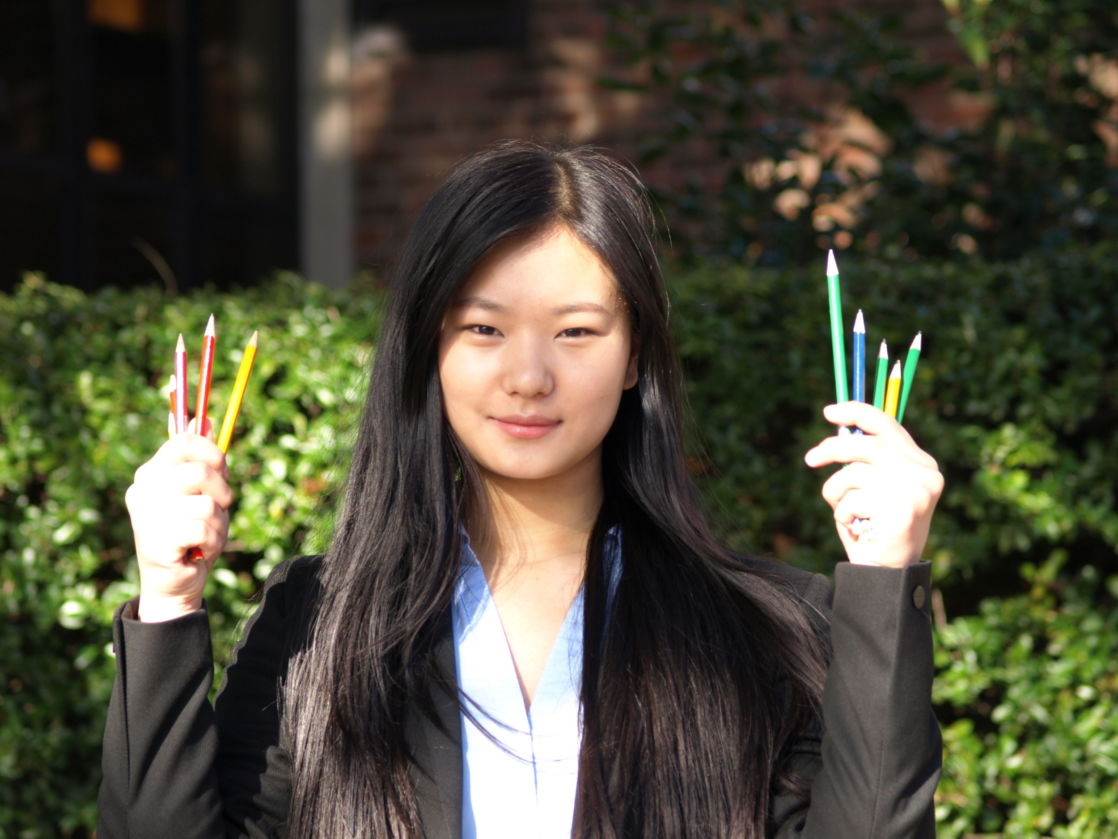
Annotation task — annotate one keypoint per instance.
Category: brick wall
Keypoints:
(415, 116)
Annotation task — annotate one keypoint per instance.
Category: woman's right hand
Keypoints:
(179, 500)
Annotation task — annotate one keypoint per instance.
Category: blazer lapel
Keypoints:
(437, 774)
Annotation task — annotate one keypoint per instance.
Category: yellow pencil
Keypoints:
(239, 385)
(893, 390)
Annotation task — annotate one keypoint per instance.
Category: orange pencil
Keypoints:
(205, 375)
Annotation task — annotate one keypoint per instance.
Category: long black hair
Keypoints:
(700, 673)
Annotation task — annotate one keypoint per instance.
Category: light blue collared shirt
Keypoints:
(524, 783)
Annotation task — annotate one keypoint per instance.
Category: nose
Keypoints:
(527, 369)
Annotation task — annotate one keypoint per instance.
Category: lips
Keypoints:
(526, 426)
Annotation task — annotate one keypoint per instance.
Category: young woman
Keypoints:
(523, 626)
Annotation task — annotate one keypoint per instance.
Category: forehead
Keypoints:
(552, 266)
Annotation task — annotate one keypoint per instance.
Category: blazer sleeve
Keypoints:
(875, 763)
(173, 765)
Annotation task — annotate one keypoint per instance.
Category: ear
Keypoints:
(632, 374)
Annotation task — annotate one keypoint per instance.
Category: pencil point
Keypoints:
(883, 350)
(181, 345)
(918, 341)
(210, 332)
(859, 322)
(832, 266)
(253, 340)
(895, 373)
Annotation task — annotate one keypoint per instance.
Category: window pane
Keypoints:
(240, 247)
(30, 227)
(248, 62)
(28, 86)
(131, 240)
(133, 116)
(439, 25)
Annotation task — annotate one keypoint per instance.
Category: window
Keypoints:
(147, 141)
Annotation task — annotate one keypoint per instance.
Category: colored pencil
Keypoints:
(205, 375)
(880, 376)
(180, 386)
(239, 385)
(838, 346)
(910, 363)
(858, 362)
(171, 397)
(893, 390)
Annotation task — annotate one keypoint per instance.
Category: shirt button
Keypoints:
(919, 597)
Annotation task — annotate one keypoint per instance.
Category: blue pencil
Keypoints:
(858, 375)
(858, 363)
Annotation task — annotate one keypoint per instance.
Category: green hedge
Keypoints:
(1017, 396)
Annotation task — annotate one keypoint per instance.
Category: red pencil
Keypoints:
(180, 383)
(205, 374)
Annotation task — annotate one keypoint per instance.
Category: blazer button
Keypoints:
(919, 597)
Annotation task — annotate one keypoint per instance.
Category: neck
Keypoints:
(531, 524)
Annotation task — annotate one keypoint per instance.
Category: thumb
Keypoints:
(206, 431)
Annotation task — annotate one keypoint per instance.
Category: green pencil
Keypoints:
(880, 376)
(909, 371)
(838, 347)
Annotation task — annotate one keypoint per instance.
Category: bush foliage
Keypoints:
(818, 117)
(1016, 396)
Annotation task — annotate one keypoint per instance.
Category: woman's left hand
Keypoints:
(884, 495)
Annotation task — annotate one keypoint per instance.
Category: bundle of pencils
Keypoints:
(892, 388)
(179, 417)
(178, 388)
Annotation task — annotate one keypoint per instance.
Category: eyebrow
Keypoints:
(478, 302)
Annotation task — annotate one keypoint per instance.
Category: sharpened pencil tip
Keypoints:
(859, 322)
(918, 341)
(883, 350)
(895, 373)
(832, 266)
(181, 345)
(210, 332)
(252, 342)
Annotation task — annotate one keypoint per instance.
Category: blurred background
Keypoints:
(260, 159)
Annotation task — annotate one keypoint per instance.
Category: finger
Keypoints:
(186, 447)
(195, 478)
(848, 448)
(848, 515)
(850, 477)
(180, 538)
(864, 416)
(897, 450)
(199, 508)
(206, 431)
(155, 486)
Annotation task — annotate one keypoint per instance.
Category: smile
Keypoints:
(526, 427)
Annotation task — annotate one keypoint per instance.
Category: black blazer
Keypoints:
(175, 766)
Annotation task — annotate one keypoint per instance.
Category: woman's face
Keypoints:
(535, 351)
